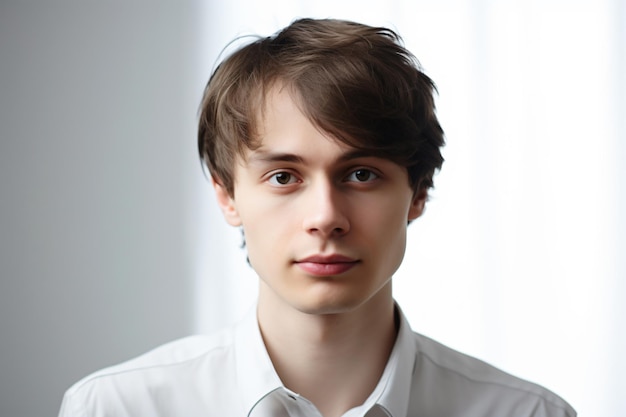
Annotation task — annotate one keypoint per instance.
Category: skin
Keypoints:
(325, 231)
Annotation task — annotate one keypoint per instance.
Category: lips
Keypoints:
(326, 265)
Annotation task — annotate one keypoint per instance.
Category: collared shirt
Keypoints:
(230, 374)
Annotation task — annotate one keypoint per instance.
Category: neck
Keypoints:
(334, 360)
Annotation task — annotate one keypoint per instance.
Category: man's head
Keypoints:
(354, 82)
(322, 142)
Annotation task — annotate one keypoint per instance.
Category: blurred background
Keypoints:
(111, 243)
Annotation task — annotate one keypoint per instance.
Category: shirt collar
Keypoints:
(258, 380)
(397, 376)
(391, 396)
(255, 373)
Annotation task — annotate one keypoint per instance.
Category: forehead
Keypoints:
(284, 132)
(281, 125)
(278, 105)
(286, 137)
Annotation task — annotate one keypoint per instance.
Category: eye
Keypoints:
(282, 178)
(362, 175)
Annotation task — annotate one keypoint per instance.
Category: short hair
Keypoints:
(355, 82)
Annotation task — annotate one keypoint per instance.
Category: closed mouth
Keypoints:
(326, 265)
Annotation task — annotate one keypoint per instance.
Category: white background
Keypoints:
(110, 242)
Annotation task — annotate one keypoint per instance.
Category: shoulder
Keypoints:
(168, 370)
(170, 355)
(450, 379)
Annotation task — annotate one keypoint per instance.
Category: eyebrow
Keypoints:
(268, 157)
(264, 156)
(357, 154)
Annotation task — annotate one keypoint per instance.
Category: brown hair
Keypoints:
(355, 82)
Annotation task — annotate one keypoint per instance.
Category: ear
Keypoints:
(226, 203)
(417, 205)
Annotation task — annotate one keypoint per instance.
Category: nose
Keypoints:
(325, 211)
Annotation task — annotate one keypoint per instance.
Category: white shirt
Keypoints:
(230, 374)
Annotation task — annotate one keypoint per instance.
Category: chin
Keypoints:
(328, 304)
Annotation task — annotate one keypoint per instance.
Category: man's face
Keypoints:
(325, 225)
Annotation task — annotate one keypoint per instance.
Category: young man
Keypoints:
(321, 142)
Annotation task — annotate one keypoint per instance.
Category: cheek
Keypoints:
(264, 228)
(385, 213)
(387, 227)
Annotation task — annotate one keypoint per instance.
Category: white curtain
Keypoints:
(518, 259)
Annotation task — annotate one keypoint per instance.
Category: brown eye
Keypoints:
(362, 175)
(282, 178)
